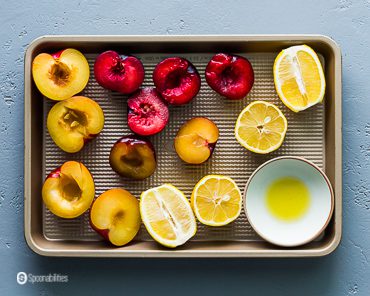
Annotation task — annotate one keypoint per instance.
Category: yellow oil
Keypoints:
(288, 198)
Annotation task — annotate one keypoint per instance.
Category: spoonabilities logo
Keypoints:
(21, 278)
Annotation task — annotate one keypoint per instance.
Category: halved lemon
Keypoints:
(261, 127)
(167, 215)
(299, 77)
(216, 200)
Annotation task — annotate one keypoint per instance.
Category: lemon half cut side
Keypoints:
(261, 127)
(299, 77)
(167, 215)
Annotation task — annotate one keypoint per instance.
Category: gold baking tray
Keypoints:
(314, 134)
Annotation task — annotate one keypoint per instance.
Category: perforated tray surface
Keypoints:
(305, 137)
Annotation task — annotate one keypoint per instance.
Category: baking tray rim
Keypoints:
(329, 248)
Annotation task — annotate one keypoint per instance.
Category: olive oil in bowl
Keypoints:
(288, 201)
(288, 198)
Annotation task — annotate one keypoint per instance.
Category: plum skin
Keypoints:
(177, 80)
(123, 74)
(231, 76)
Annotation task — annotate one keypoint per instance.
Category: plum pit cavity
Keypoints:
(60, 73)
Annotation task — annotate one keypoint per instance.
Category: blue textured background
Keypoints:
(346, 272)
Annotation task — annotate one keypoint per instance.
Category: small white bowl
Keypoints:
(296, 232)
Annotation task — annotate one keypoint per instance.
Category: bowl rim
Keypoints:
(315, 235)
